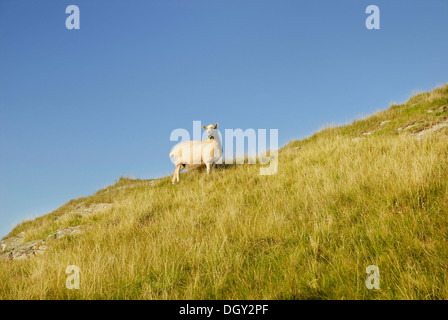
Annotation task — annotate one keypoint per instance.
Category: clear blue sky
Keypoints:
(80, 108)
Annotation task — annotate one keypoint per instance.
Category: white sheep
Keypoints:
(189, 153)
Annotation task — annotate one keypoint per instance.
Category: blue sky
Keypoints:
(80, 108)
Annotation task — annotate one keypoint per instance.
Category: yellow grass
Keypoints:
(308, 232)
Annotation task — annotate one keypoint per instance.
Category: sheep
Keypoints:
(189, 153)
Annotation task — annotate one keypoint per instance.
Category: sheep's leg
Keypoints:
(208, 168)
(181, 166)
(176, 174)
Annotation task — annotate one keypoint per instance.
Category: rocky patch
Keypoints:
(441, 109)
(432, 129)
(68, 231)
(16, 251)
(90, 210)
(25, 251)
(409, 126)
(83, 211)
(149, 183)
(11, 243)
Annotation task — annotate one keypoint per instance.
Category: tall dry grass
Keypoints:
(308, 232)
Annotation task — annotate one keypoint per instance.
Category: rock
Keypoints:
(64, 232)
(10, 243)
(434, 128)
(441, 109)
(84, 211)
(408, 127)
(92, 209)
(37, 247)
(26, 250)
(367, 133)
(382, 123)
(148, 183)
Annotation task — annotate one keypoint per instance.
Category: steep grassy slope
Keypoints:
(343, 199)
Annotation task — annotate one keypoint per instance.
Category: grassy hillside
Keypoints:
(371, 193)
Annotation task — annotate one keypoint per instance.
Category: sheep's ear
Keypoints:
(216, 125)
(204, 127)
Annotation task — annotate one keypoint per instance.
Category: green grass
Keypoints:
(308, 232)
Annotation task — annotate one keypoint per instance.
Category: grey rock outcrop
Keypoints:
(432, 129)
(26, 250)
(64, 232)
(15, 249)
(10, 243)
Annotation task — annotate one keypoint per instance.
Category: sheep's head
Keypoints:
(211, 130)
